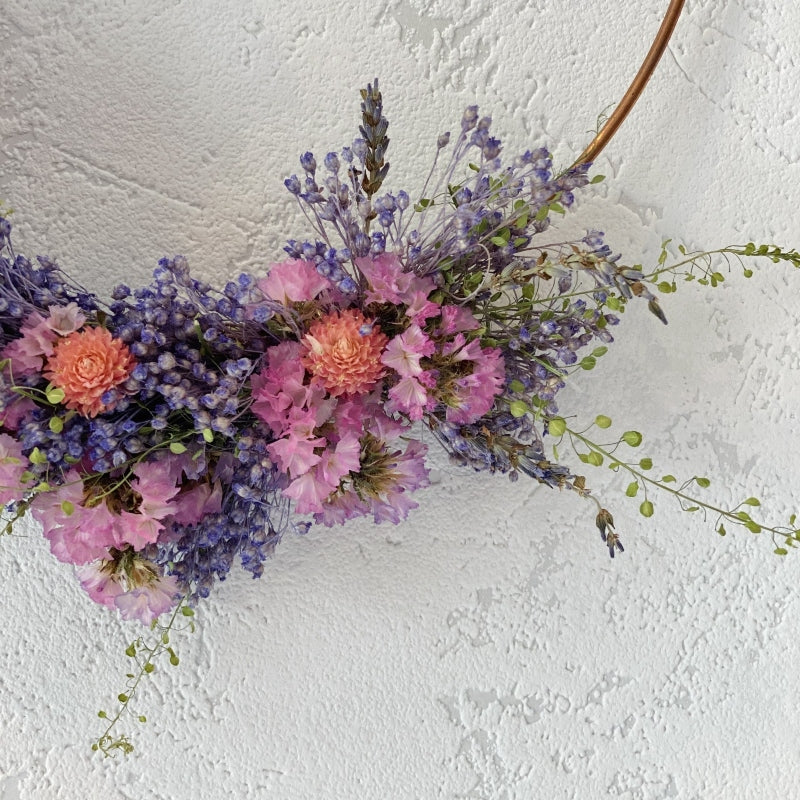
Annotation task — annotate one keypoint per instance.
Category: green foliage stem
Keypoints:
(783, 537)
(108, 743)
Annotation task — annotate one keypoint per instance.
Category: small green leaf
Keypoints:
(602, 421)
(68, 508)
(632, 438)
(142, 718)
(721, 530)
(123, 698)
(187, 612)
(557, 426)
(702, 482)
(177, 448)
(37, 456)
(753, 527)
(598, 179)
(149, 667)
(102, 715)
(633, 489)
(780, 551)
(594, 458)
(646, 463)
(130, 650)
(599, 351)
(588, 362)
(752, 501)
(516, 386)
(668, 479)
(56, 424)
(518, 408)
(54, 395)
(208, 435)
(646, 509)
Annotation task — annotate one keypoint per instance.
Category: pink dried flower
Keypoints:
(293, 281)
(85, 365)
(343, 350)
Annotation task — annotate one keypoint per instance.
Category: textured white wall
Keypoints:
(488, 648)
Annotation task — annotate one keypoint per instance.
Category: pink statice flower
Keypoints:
(99, 583)
(39, 336)
(36, 343)
(294, 281)
(191, 505)
(155, 486)
(456, 319)
(343, 352)
(64, 320)
(77, 533)
(389, 282)
(148, 602)
(403, 353)
(132, 584)
(473, 395)
(12, 414)
(12, 466)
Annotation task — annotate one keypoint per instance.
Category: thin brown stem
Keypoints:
(637, 86)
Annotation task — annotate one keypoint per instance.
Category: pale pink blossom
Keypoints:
(99, 584)
(146, 603)
(295, 454)
(403, 353)
(13, 413)
(293, 281)
(156, 488)
(457, 318)
(390, 283)
(191, 505)
(77, 534)
(36, 343)
(309, 491)
(64, 320)
(340, 460)
(409, 397)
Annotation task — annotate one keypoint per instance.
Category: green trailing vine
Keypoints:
(596, 454)
(145, 654)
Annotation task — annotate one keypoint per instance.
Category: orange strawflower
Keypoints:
(344, 350)
(85, 365)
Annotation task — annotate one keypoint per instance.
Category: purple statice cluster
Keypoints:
(179, 429)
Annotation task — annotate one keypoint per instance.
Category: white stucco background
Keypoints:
(488, 648)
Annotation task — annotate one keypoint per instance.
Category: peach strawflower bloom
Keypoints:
(344, 351)
(85, 365)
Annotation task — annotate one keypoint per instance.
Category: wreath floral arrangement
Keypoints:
(176, 430)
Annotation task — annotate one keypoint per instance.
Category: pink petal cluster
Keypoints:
(85, 365)
(81, 530)
(38, 337)
(293, 281)
(390, 283)
(144, 599)
(343, 352)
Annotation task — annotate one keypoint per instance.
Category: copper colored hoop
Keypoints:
(635, 89)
